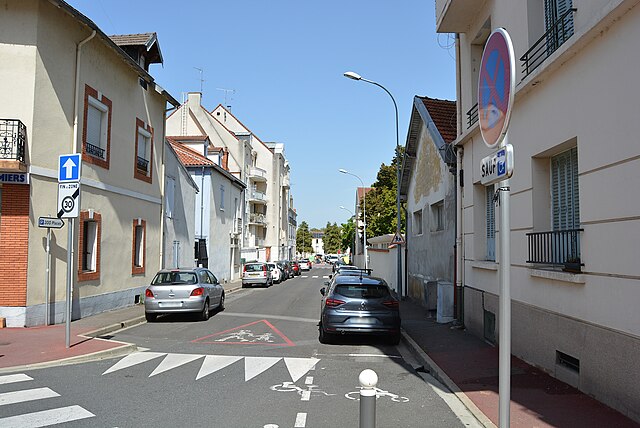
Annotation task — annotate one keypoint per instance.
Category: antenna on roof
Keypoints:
(226, 94)
(201, 79)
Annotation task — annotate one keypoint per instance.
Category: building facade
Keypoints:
(574, 195)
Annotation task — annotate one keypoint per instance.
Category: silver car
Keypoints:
(183, 290)
(256, 273)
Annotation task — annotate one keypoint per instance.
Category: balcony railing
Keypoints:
(256, 218)
(94, 150)
(558, 33)
(13, 135)
(257, 174)
(558, 248)
(142, 164)
(472, 116)
(256, 196)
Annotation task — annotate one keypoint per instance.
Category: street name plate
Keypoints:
(498, 166)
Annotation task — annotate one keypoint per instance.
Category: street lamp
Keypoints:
(364, 212)
(355, 76)
(352, 216)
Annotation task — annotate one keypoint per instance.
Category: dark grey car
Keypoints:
(359, 304)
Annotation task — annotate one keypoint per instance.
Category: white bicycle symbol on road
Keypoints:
(355, 395)
(291, 387)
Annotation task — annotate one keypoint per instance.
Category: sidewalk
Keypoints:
(469, 367)
(464, 363)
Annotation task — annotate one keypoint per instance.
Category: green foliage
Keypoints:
(332, 239)
(348, 234)
(303, 238)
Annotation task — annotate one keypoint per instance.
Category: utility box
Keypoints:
(444, 313)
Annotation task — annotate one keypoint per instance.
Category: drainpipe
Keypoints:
(406, 253)
(459, 244)
(74, 147)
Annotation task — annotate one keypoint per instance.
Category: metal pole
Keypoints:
(504, 389)
(69, 285)
(47, 315)
(368, 381)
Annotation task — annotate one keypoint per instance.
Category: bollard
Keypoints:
(368, 381)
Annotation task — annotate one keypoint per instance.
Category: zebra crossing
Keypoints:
(36, 418)
(253, 366)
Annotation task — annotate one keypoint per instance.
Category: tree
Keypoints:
(348, 234)
(332, 239)
(303, 238)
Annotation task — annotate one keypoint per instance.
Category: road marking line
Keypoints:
(21, 377)
(171, 361)
(301, 420)
(46, 417)
(133, 359)
(299, 367)
(306, 395)
(308, 380)
(26, 395)
(253, 366)
(277, 317)
(213, 363)
(314, 276)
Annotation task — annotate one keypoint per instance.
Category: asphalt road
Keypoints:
(256, 364)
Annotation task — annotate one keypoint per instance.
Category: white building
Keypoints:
(575, 193)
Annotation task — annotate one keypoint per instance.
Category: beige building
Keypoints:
(575, 277)
(69, 88)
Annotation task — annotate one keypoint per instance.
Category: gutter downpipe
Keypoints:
(71, 225)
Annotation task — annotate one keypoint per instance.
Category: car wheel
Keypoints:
(221, 304)
(324, 337)
(204, 315)
(150, 317)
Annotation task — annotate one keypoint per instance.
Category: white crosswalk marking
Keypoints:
(301, 420)
(26, 395)
(253, 366)
(20, 377)
(314, 276)
(46, 417)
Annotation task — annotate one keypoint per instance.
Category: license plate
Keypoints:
(255, 274)
(170, 304)
(364, 320)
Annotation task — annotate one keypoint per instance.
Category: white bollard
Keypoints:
(368, 381)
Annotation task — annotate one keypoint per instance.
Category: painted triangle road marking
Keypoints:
(171, 361)
(213, 363)
(260, 332)
(133, 359)
(299, 367)
(253, 366)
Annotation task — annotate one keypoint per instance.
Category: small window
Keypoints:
(96, 134)
(143, 156)
(89, 246)
(138, 248)
(417, 222)
(169, 196)
(222, 197)
(437, 215)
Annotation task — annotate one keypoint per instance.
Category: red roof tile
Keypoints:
(187, 156)
(443, 113)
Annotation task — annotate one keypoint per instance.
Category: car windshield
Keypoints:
(169, 278)
(271, 266)
(362, 291)
(257, 267)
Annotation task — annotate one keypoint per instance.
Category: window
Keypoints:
(417, 222)
(565, 195)
(559, 20)
(143, 151)
(96, 135)
(437, 215)
(222, 197)
(89, 246)
(490, 223)
(138, 249)
(169, 196)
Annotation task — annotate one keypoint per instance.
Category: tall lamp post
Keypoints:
(364, 211)
(356, 76)
(352, 216)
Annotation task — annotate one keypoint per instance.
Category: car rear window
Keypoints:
(256, 267)
(169, 278)
(360, 291)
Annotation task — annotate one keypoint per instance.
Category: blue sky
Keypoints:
(284, 61)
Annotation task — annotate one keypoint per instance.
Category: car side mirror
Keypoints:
(330, 275)
(323, 290)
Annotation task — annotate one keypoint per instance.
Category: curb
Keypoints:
(113, 327)
(441, 376)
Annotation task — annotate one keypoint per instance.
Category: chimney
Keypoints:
(194, 99)
(225, 159)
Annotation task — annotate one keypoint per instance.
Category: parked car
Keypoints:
(287, 268)
(354, 304)
(350, 270)
(305, 264)
(256, 273)
(183, 290)
(296, 268)
(276, 273)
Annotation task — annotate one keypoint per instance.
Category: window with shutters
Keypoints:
(143, 151)
(96, 134)
(565, 197)
(558, 22)
(490, 228)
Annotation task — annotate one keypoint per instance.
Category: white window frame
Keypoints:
(490, 223)
(144, 147)
(138, 259)
(104, 122)
(90, 246)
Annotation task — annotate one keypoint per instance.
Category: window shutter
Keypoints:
(94, 125)
(491, 223)
(565, 190)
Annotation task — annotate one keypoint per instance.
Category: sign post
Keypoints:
(496, 88)
(48, 222)
(68, 207)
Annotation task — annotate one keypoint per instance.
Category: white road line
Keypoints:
(301, 420)
(306, 395)
(21, 377)
(46, 417)
(314, 276)
(308, 380)
(26, 395)
(258, 316)
(299, 367)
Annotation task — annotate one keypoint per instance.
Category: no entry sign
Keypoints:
(496, 87)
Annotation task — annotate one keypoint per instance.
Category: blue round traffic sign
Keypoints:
(496, 87)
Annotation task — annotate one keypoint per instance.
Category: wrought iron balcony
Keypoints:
(13, 136)
(556, 248)
(558, 33)
(472, 115)
(95, 151)
(142, 164)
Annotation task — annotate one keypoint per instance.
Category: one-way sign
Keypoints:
(69, 168)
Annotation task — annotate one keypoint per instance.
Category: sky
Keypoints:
(279, 64)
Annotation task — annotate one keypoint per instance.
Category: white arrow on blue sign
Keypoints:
(69, 168)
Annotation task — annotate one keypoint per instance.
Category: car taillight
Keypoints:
(244, 268)
(332, 303)
(393, 304)
(197, 292)
(148, 293)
